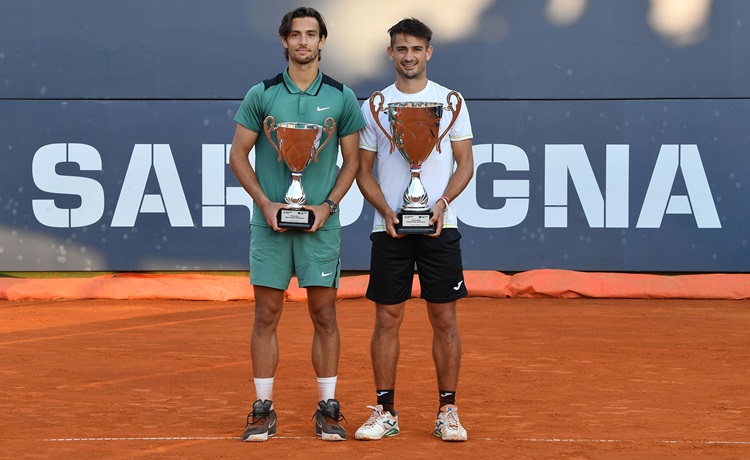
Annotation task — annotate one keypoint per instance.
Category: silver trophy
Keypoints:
(297, 145)
(415, 130)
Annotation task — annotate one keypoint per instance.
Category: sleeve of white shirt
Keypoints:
(368, 136)
(462, 128)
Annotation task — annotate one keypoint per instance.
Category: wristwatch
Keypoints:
(334, 206)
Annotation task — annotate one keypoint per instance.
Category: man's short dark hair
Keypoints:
(302, 12)
(411, 26)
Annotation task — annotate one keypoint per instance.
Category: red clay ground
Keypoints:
(541, 378)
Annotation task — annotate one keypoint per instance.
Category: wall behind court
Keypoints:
(608, 135)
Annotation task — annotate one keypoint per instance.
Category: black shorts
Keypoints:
(438, 263)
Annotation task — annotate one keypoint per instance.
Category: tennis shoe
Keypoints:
(327, 421)
(261, 422)
(447, 425)
(381, 424)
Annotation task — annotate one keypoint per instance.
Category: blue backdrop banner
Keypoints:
(608, 135)
(585, 185)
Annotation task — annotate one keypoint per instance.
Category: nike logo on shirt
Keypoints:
(320, 109)
(324, 274)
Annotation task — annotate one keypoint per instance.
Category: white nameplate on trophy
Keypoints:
(295, 218)
(415, 220)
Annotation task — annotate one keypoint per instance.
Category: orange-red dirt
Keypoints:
(540, 378)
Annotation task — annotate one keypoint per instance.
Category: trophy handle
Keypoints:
(459, 104)
(329, 126)
(375, 113)
(268, 126)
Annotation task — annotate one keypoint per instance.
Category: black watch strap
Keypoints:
(334, 206)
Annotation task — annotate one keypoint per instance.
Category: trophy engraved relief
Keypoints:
(415, 133)
(297, 145)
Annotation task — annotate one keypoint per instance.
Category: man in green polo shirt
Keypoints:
(300, 94)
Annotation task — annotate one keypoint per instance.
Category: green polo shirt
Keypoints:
(282, 99)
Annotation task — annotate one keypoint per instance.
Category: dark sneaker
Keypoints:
(327, 419)
(261, 422)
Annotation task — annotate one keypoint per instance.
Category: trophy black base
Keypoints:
(414, 222)
(302, 219)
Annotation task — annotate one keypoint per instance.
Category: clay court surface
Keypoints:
(541, 378)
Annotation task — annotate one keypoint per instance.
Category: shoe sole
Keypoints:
(331, 437)
(364, 437)
(257, 437)
(456, 438)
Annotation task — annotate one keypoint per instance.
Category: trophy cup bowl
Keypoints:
(297, 145)
(415, 133)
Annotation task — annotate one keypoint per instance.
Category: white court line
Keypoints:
(572, 440)
(224, 438)
(165, 438)
(591, 441)
(746, 443)
(168, 438)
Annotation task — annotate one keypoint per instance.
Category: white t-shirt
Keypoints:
(393, 172)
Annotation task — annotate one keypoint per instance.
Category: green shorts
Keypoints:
(314, 257)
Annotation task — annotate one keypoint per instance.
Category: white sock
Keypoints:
(326, 388)
(264, 389)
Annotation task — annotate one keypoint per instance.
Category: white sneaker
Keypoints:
(380, 424)
(447, 425)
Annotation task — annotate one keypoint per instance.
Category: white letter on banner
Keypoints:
(515, 191)
(46, 179)
(617, 204)
(698, 189)
(133, 197)
(658, 200)
(559, 159)
(215, 158)
(657, 194)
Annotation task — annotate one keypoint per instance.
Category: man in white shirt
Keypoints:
(437, 256)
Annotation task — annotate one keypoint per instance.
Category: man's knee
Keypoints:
(388, 318)
(266, 318)
(443, 320)
(324, 319)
